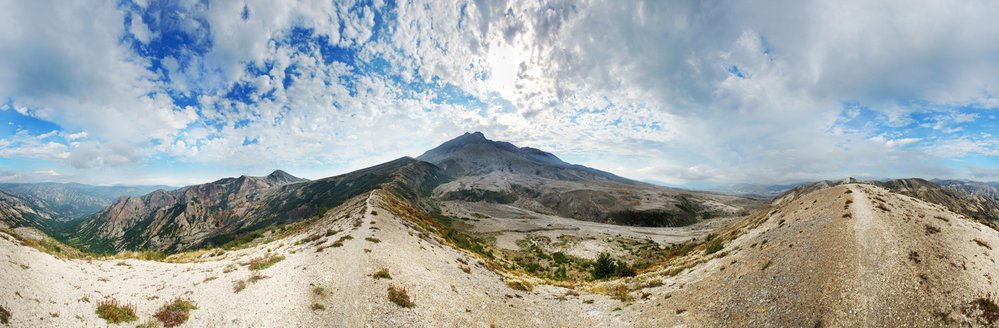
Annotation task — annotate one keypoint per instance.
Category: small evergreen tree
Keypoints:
(603, 267)
(624, 270)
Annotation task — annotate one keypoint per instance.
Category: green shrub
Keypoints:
(175, 313)
(603, 267)
(113, 312)
(606, 267)
(714, 247)
(624, 270)
(382, 273)
(245, 239)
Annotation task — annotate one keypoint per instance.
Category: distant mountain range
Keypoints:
(217, 212)
(469, 168)
(67, 201)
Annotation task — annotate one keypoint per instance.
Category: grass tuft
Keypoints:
(113, 312)
(382, 273)
(621, 293)
(264, 262)
(175, 313)
(714, 247)
(399, 296)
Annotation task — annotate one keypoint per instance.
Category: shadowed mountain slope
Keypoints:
(499, 172)
(219, 212)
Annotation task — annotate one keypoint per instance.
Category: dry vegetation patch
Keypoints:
(984, 309)
(4, 315)
(264, 262)
(175, 313)
(399, 296)
(241, 284)
(382, 273)
(114, 312)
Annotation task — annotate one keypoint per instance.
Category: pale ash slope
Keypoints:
(41, 290)
(884, 259)
(806, 264)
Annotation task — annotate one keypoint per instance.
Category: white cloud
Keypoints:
(673, 91)
(139, 29)
(900, 142)
(64, 63)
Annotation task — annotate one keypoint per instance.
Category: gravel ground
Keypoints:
(812, 265)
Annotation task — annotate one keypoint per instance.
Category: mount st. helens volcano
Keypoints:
(469, 168)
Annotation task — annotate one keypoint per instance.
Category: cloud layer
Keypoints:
(679, 92)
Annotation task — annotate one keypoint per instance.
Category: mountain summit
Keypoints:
(282, 177)
(490, 171)
(472, 154)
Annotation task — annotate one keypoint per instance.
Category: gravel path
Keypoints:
(867, 258)
(352, 284)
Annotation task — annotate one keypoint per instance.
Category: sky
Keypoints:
(682, 93)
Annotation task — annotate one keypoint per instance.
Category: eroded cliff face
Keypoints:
(179, 218)
(15, 211)
(215, 213)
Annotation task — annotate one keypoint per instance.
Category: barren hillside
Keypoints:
(850, 255)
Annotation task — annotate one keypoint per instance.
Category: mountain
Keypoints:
(163, 219)
(218, 212)
(988, 190)
(469, 168)
(16, 211)
(849, 254)
(806, 188)
(501, 173)
(755, 189)
(282, 177)
(504, 234)
(471, 154)
(68, 201)
(970, 199)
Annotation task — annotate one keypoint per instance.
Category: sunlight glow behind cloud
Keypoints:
(677, 92)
